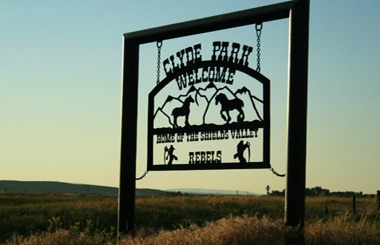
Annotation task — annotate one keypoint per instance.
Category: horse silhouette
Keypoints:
(230, 105)
(184, 110)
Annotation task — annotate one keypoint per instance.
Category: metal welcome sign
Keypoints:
(209, 112)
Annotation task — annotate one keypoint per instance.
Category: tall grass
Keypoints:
(232, 230)
(173, 212)
(55, 219)
(26, 214)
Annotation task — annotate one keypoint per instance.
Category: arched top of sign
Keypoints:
(203, 102)
(209, 63)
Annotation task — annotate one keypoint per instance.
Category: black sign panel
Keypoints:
(209, 113)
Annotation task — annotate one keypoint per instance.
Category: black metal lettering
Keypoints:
(225, 134)
(204, 74)
(165, 138)
(166, 69)
(197, 157)
(197, 53)
(180, 55)
(223, 52)
(191, 158)
(216, 47)
(189, 52)
(244, 56)
(234, 53)
(209, 157)
(198, 78)
(174, 65)
(191, 78)
(181, 81)
(220, 76)
(211, 74)
(230, 76)
(218, 157)
(203, 157)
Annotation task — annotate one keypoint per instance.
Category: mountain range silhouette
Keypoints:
(204, 110)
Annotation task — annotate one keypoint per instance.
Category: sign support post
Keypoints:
(297, 113)
(127, 187)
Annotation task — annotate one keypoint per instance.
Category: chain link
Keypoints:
(259, 27)
(275, 173)
(159, 45)
(142, 176)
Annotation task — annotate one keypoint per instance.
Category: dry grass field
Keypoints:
(59, 219)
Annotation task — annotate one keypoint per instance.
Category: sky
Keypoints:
(60, 91)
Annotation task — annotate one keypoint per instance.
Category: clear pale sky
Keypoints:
(60, 91)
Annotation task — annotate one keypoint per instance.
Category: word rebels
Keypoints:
(205, 157)
(221, 52)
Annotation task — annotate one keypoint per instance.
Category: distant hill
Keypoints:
(68, 188)
(84, 189)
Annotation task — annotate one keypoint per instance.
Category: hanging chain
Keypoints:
(275, 173)
(159, 45)
(259, 27)
(142, 176)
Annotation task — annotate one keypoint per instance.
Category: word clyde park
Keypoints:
(222, 51)
(211, 111)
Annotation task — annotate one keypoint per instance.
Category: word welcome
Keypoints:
(221, 51)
